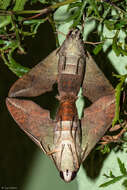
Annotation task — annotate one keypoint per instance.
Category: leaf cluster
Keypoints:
(16, 23)
(113, 178)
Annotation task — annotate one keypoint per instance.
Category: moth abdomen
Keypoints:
(67, 109)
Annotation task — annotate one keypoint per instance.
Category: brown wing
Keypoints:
(95, 84)
(97, 119)
(39, 80)
(33, 120)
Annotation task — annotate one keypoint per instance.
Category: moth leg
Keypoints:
(95, 84)
(75, 158)
(38, 80)
(59, 128)
(49, 153)
(52, 152)
(61, 152)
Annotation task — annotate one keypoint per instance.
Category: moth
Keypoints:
(67, 140)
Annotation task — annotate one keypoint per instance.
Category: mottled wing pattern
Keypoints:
(33, 120)
(39, 80)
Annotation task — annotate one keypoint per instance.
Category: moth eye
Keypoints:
(68, 175)
(61, 175)
(73, 175)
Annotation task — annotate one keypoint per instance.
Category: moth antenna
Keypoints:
(71, 128)
(52, 157)
(61, 154)
(54, 161)
(75, 161)
(60, 130)
(84, 151)
(43, 148)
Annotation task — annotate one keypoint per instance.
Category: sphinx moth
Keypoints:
(66, 140)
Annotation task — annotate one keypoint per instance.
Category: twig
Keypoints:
(116, 7)
(41, 11)
(32, 17)
(7, 35)
(93, 43)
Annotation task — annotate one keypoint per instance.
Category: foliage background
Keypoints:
(22, 165)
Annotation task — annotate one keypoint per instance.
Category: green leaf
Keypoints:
(2, 41)
(122, 167)
(70, 18)
(4, 21)
(94, 6)
(8, 44)
(19, 5)
(120, 24)
(125, 183)
(118, 90)
(15, 67)
(117, 46)
(33, 24)
(44, 1)
(116, 179)
(106, 12)
(81, 11)
(98, 48)
(73, 5)
(4, 4)
(110, 24)
(112, 175)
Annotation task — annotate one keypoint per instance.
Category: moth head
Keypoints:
(68, 175)
(68, 156)
(66, 164)
(69, 162)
